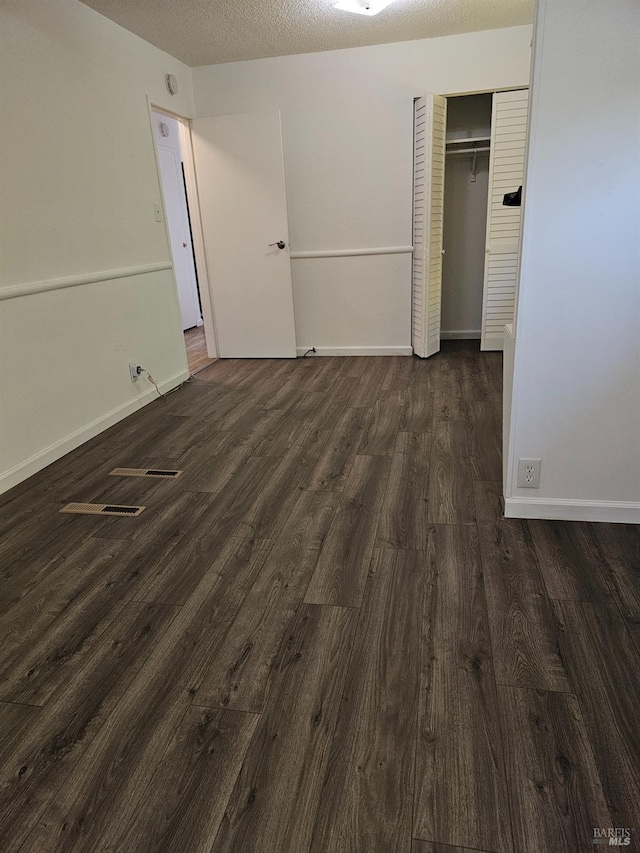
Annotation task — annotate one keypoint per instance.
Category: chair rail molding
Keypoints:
(353, 253)
(29, 288)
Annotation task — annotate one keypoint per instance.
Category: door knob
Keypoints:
(280, 244)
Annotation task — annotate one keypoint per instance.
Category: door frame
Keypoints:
(197, 235)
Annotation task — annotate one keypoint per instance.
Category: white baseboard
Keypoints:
(355, 351)
(461, 335)
(623, 512)
(20, 472)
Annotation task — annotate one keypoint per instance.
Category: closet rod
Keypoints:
(468, 139)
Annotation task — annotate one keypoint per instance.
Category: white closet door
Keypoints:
(430, 122)
(506, 174)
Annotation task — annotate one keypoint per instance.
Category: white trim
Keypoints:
(460, 335)
(20, 472)
(32, 287)
(492, 343)
(355, 351)
(352, 253)
(623, 512)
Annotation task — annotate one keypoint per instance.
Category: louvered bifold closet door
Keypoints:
(430, 119)
(506, 174)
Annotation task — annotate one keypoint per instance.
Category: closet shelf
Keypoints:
(469, 140)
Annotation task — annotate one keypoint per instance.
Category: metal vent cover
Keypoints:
(102, 509)
(158, 473)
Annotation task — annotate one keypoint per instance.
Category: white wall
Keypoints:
(79, 183)
(465, 224)
(576, 394)
(347, 120)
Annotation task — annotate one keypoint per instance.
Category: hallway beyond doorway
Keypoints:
(196, 349)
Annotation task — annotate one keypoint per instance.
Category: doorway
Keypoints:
(171, 137)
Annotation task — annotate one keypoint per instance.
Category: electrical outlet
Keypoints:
(529, 473)
(134, 372)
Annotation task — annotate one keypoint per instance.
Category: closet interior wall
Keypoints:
(465, 218)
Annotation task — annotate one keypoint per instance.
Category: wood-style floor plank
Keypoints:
(223, 455)
(184, 803)
(450, 477)
(570, 566)
(240, 674)
(28, 620)
(431, 847)
(366, 801)
(53, 629)
(15, 723)
(371, 380)
(38, 546)
(423, 374)
(336, 458)
(101, 796)
(380, 432)
(343, 564)
(417, 409)
(38, 764)
(174, 512)
(227, 508)
(603, 663)
(271, 509)
(554, 789)
(460, 791)
(448, 404)
(398, 373)
(275, 799)
(618, 550)
(484, 438)
(524, 631)
(174, 579)
(405, 509)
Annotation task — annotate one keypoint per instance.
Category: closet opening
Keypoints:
(468, 171)
(466, 192)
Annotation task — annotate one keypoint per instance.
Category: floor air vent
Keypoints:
(102, 509)
(145, 472)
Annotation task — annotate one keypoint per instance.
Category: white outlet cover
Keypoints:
(529, 473)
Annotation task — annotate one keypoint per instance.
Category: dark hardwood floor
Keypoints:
(323, 636)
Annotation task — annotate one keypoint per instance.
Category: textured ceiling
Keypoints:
(205, 32)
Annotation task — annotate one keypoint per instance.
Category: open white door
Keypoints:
(506, 174)
(429, 141)
(240, 173)
(175, 204)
